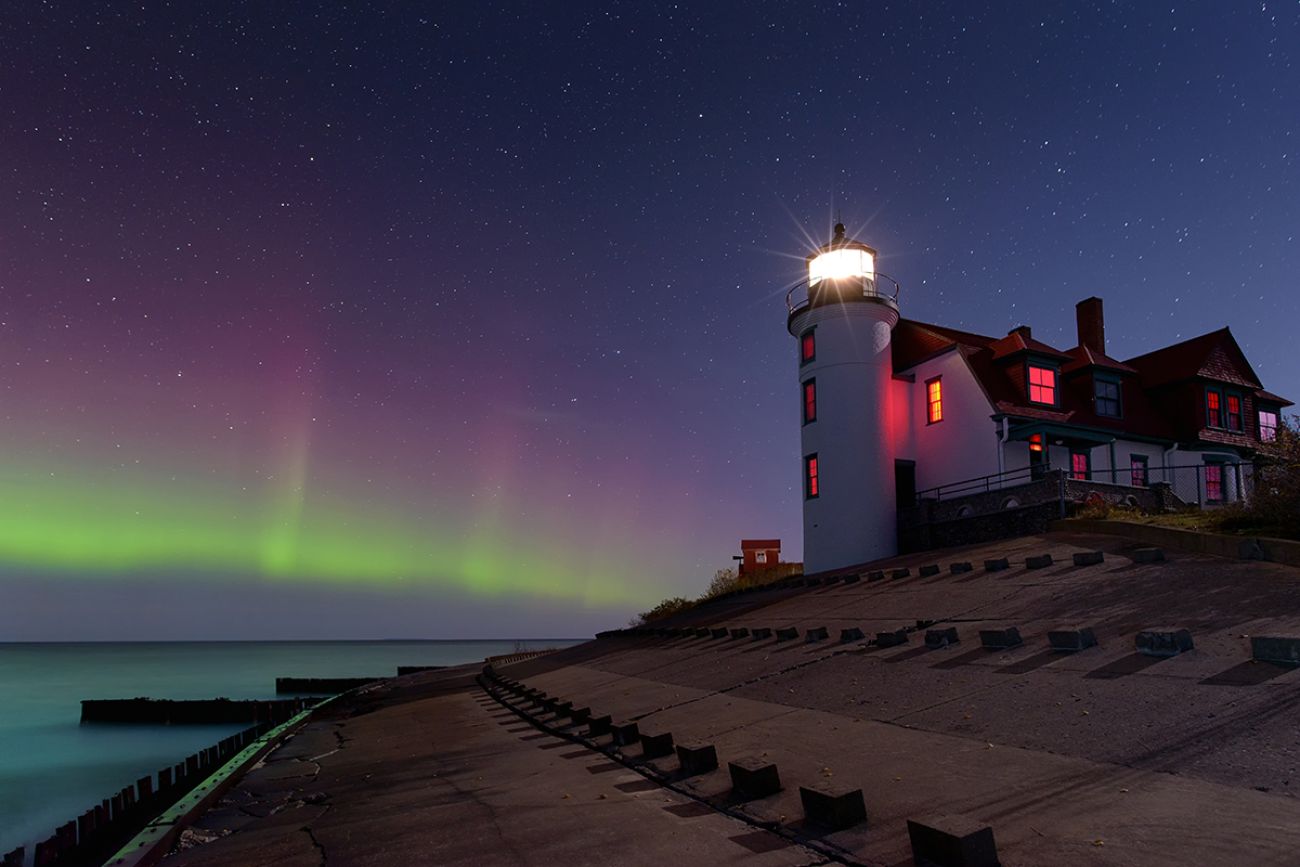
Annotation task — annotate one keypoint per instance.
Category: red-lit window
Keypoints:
(1042, 384)
(1234, 412)
(807, 347)
(1037, 457)
(933, 400)
(1267, 426)
(810, 486)
(1080, 465)
(1214, 483)
(1213, 408)
(810, 401)
(1138, 470)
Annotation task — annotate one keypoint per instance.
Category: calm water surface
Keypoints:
(52, 768)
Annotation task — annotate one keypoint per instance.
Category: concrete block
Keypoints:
(625, 734)
(1071, 639)
(815, 633)
(998, 565)
(900, 573)
(891, 639)
(853, 633)
(599, 725)
(1148, 555)
(657, 745)
(1165, 641)
(876, 575)
(941, 637)
(852, 579)
(1089, 558)
(1275, 648)
(580, 714)
(833, 579)
(1040, 561)
(952, 841)
(703, 632)
(742, 632)
(959, 568)
(760, 633)
(562, 708)
(720, 632)
(754, 778)
(697, 758)
(787, 634)
(834, 807)
(923, 624)
(1000, 639)
(929, 571)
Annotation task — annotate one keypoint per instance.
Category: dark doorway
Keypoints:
(905, 484)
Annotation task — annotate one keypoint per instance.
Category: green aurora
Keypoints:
(113, 523)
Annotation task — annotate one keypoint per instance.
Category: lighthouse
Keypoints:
(843, 327)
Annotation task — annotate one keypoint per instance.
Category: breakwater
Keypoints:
(90, 838)
(322, 685)
(165, 711)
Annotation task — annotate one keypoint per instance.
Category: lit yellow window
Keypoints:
(934, 400)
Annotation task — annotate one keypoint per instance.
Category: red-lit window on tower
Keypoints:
(1234, 412)
(1214, 483)
(1042, 384)
(933, 400)
(810, 401)
(1213, 408)
(807, 347)
(810, 483)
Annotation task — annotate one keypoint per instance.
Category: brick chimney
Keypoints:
(1092, 324)
(1023, 330)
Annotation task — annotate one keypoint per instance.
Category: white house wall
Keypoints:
(962, 446)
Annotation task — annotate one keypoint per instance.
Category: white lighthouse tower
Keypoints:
(845, 368)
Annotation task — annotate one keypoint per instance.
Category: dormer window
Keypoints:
(1106, 397)
(1234, 412)
(1213, 408)
(1042, 384)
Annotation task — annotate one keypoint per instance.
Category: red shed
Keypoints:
(759, 554)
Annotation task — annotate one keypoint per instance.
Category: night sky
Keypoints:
(467, 320)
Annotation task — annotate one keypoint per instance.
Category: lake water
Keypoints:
(52, 768)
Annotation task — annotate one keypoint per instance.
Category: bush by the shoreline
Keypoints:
(724, 581)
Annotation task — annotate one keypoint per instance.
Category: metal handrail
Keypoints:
(793, 305)
(990, 482)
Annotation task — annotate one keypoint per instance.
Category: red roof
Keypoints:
(1082, 357)
(1215, 356)
(759, 543)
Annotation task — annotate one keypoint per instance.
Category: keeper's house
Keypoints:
(897, 412)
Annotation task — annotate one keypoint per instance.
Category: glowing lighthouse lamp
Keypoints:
(843, 328)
